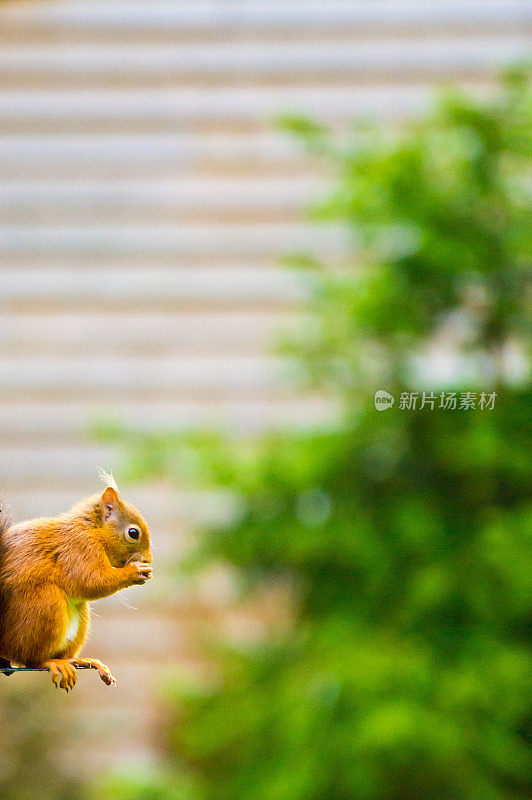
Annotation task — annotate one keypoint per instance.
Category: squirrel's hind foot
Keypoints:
(63, 673)
(103, 671)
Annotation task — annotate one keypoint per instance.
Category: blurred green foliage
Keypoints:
(404, 533)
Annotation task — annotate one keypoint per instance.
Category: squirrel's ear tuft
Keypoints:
(109, 502)
(108, 479)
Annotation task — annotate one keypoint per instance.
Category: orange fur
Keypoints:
(51, 567)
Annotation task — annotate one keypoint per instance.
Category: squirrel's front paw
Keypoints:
(140, 572)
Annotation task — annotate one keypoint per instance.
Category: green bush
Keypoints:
(403, 533)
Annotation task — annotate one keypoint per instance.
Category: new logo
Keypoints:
(383, 400)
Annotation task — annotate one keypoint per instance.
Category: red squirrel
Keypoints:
(50, 567)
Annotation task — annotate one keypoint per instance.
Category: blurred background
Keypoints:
(184, 184)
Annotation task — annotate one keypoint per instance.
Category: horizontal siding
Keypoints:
(306, 61)
(159, 376)
(237, 332)
(180, 153)
(235, 108)
(133, 285)
(36, 422)
(164, 240)
(237, 17)
(149, 201)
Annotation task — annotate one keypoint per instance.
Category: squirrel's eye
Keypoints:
(133, 533)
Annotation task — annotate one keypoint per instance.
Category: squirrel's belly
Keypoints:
(73, 628)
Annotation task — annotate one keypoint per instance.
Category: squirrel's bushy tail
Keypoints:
(6, 515)
(6, 520)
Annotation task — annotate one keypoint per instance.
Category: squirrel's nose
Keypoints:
(146, 558)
